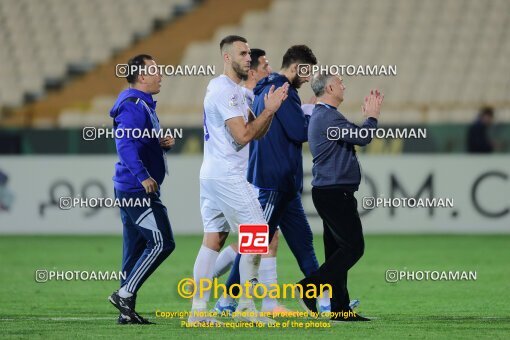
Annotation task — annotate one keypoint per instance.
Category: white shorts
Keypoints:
(225, 203)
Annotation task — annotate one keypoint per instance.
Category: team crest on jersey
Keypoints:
(233, 101)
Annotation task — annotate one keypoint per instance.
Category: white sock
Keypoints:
(325, 300)
(248, 269)
(226, 300)
(123, 293)
(224, 261)
(268, 276)
(203, 269)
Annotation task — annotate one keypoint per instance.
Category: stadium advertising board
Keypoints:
(398, 194)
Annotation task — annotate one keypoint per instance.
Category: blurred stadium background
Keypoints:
(57, 76)
(451, 55)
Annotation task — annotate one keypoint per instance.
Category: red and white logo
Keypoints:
(253, 238)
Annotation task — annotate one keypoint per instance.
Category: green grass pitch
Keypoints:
(416, 309)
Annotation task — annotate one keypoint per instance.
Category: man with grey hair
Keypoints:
(336, 176)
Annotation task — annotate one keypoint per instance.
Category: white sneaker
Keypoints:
(323, 310)
(354, 303)
(225, 310)
(202, 317)
(248, 313)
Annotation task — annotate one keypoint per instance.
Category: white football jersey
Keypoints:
(223, 156)
(250, 96)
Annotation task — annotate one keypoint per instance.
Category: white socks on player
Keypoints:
(123, 293)
(203, 269)
(268, 276)
(224, 262)
(248, 270)
(325, 300)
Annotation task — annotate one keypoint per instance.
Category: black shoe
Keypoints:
(138, 319)
(309, 304)
(134, 319)
(123, 319)
(124, 305)
(348, 315)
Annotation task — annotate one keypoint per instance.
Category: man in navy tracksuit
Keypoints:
(276, 162)
(148, 238)
(276, 166)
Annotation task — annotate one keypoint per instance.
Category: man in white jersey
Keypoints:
(259, 69)
(226, 197)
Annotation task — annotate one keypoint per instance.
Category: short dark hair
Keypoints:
(230, 39)
(138, 60)
(255, 54)
(301, 54)
(486, 111)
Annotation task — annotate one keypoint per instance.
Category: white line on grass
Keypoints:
(64, 318)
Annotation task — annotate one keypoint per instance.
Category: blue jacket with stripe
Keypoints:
(276, 160)
(139, 158)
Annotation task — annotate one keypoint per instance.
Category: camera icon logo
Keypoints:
(391, 275)
(89, 133)
(304, 70)
(368, 203)
(121, 70)
(65, 203)
(41, 275)
(333, 133)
